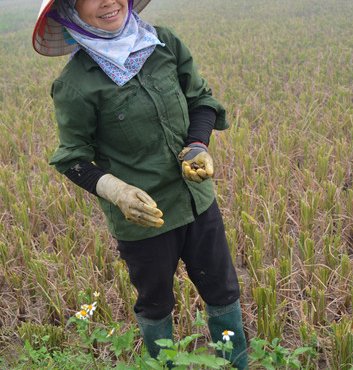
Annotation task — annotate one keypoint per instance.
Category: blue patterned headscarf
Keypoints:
(120, 54)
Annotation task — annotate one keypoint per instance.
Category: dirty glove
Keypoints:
(136, 205)
(197, 164)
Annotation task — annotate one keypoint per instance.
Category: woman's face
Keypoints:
(108, 15)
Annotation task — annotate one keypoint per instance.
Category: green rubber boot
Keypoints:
(152, 330)
(221, 318)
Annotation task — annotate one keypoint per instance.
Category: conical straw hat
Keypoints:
(48, 37)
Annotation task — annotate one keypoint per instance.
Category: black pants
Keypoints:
(203, 247)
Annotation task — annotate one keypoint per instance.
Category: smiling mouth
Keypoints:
(109, 15)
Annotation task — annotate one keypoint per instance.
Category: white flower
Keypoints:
(111, 332)
(227, 334)
(90, 308)
(96, 294)
(82, 315)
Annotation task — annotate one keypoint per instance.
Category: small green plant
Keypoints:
(38, 336)
(272, 356)
(41, 358)
(342, 340)
(177, 354)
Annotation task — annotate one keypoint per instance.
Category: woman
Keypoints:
(134, 121)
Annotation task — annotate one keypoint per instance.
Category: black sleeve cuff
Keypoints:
(86, 175)
(202, 121)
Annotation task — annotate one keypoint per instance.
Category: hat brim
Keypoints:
(48, 38)
(139, 5)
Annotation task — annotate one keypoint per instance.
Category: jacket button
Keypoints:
(121, 116)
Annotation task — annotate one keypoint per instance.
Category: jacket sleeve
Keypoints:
(77, 120)
(195, 88)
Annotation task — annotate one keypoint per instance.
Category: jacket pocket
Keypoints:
(132, 126)
(174, 101)
(114, 129)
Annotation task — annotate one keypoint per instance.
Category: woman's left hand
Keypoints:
(197, 164)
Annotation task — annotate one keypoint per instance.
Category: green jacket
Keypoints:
(136, 131)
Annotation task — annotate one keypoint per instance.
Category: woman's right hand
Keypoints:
(136, 205)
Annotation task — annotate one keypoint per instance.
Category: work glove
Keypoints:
(136, 205)
(197, 164)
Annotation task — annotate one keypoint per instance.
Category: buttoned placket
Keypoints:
(148, 86)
